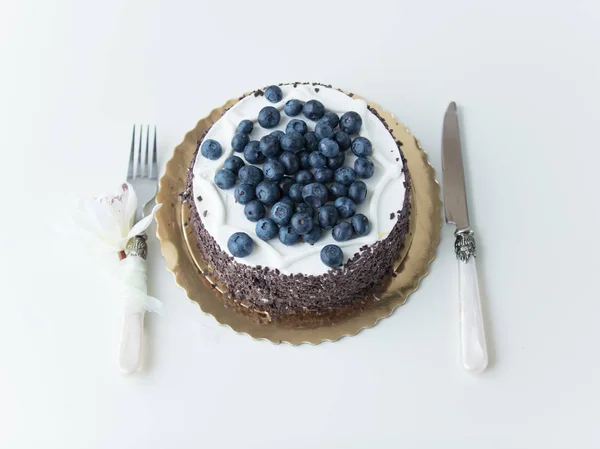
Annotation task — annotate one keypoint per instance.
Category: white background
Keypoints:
(75, 76)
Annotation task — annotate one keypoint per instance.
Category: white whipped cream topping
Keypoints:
(385, 189)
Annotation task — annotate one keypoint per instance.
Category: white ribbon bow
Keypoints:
(109, 218)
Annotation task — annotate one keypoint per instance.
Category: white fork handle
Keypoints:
(132, 341)
(473, 349)
(137, 301)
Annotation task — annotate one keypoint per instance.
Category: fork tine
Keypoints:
(146, 166)
(154, 171)
(131, 156)
(138, 172)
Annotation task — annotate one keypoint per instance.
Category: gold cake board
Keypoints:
(178, 245)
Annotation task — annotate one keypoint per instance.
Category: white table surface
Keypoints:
(76, 75)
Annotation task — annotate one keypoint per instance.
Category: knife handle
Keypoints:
(474, 356)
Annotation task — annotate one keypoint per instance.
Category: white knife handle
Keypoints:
(132, 341)
(473, 348)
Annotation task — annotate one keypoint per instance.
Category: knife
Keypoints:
(473, 348)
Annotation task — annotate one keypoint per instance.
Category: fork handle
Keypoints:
(132, 340)
(473, 349)
(137, 301)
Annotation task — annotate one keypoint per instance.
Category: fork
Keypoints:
(143, 177)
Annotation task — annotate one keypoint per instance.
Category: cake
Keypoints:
(299, 198)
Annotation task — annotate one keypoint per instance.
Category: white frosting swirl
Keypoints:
(385, 189)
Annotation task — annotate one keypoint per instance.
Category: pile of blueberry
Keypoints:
(303, 186)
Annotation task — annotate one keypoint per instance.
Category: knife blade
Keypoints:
(455, 193)
(473, 347)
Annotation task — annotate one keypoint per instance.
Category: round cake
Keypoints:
(299, 197)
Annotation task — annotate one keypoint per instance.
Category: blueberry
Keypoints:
(295, 192)
(304, 177)
(350, 122)
(268, 117)
(323, 175)
(239, 141)
(313, 236)
(311, 141)
(323, 129)
(285, 184)
(292, 141)
(287, 236)
(254, 210)
(293, 107)
(269, 146)
(296, 125)
(328, 216)
(332, 256)
(360, 224)
(337, 190)
(364, 167)
(301, 223)
(278, 134)
(252, 153)
(317, 160)
(268, 192)
(211, 149)
(336, 162)
(315, 194)
(357, 192)
(344, 175)
(249, 174)
(233, 163)
(303, 156)
(273, 94)
(240, 244)
(245, 127)
(342, 231)
(343, 140)
(273, 170)
(244, 193)
(225, 179)
(266, 229)
(313, 110)
(290, 162)
(287, 200)
(281, 212)
(345, 207)
(305, 209)
(329, 147)
(331, 118)
(361, 146)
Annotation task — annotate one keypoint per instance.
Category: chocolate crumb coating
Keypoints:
(299, 299)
